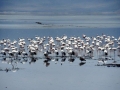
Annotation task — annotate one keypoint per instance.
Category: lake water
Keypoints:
(68, 76)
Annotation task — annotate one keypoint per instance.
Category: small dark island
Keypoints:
(38, 22)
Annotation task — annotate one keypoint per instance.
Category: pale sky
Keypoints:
(61, 7)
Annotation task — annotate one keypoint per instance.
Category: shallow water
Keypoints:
(83, 21)
(56, 76)
(69, 76)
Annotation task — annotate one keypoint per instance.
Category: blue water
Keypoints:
(68, 76)
(28, 33)
(15, 26)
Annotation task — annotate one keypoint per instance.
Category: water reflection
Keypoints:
(13, 61)
(82, 63)
(47, 63)
(101, 48)
(32, 60)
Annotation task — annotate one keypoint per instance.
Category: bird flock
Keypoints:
(101, 47)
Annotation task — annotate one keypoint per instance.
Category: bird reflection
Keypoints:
(81, 63)
(46, 62)
(13, 63)
(71, 59)
(63, 60)
(82, 59)
(56, 60)
(33, 60)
